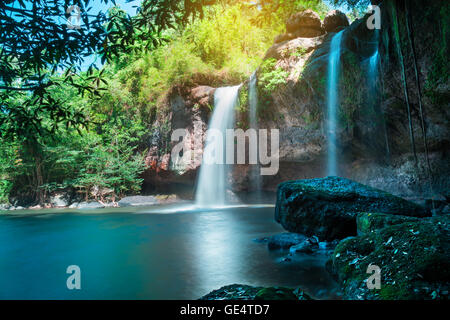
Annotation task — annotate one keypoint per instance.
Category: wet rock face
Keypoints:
(372, 137)
(414, 258)
(327, 207)
(335, 19)
(187, 109)
(426, 20)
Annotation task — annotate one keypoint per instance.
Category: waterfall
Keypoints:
(332, 101)
(372, 74)
(212, 182)
(255, 175)
(373, 62)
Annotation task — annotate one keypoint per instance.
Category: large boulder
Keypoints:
(334, 20)
(303, 19)
(413, 257)
(327, 207)
(304, 24)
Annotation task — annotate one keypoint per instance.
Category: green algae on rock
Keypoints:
(414, 258)
(327, 207)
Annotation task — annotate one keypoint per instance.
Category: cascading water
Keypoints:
(212, 181)
(372, 74)
(373, 62)
(255, 176)
(333, 100)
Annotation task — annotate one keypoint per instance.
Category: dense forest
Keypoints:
(70, 125)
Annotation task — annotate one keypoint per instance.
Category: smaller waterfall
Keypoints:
(373, 63)
(333, 101)
(372, 75)
(255, 174)
(212, 182)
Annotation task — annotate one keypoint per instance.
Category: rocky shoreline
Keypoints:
(58, 202)
(407, 242)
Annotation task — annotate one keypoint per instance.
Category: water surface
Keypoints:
(134, 254)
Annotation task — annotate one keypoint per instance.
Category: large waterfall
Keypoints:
(255, 175)
(212, 182)
(333, 101)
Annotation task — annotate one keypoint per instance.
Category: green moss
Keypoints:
(413, 257)
(270, 77)
(275, 293)
(299, 52)
(395, 292)
(367, 222)
(243, 102)
(240, 292)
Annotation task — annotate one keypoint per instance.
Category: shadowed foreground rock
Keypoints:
(414, 258)
(327, 207)
(245, 292)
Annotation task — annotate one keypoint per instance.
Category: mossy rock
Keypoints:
(276, 293)
(327, 207)
(245, 292)
(414, 258)
(233, 292)
(367, 222)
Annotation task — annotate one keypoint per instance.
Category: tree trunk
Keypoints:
(405, 85)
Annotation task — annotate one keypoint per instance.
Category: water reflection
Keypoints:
(147, 256)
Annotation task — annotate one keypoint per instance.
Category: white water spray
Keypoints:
(212, 183)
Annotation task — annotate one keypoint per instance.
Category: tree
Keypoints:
(38, 53)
